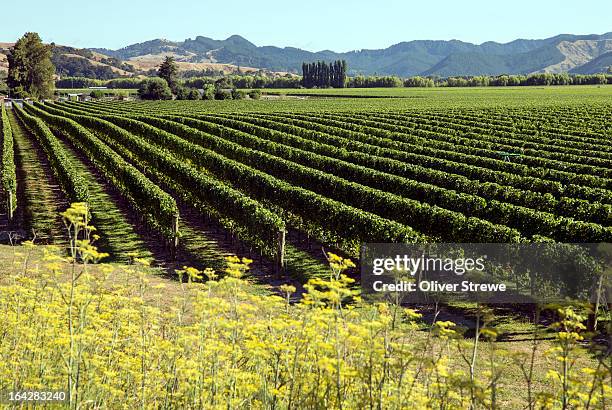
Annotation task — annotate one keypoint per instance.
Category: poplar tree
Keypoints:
(322, 74)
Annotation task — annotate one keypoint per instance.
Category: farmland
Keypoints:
(462, 96)
(283, 178)
(178, 184)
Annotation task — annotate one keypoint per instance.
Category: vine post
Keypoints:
(280, 252)
(175, 234)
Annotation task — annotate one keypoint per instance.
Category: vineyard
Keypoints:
(202, 181)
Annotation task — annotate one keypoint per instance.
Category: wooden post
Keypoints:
(175, 233)
(280, 251)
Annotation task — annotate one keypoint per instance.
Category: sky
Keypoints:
(314, 25)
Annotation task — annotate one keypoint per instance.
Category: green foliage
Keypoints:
(30, 68)
(157, 207)
(9, 180)
(235, 210)
(344, 221)
(238, 94)
(427, 170)
(255, 94)
(193, 94)
(321, 74)
(209, 92)
(78, 82)
(223, 94)
(316, 138)
(382, 174)
(97, 94)
(419, 82)
(375, 82)
(528, 221)
(184, 93)
(155, 89)
(61, 165)
(294, 165)
(247, 81)
(168, 70)
(181, 93)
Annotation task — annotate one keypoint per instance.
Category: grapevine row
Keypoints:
(485, 154)
(233, 209)
(528, 221)
(366, 155)
(156, 207)
(424, 156)
(71, 181)
(9, 180)
(315, 210)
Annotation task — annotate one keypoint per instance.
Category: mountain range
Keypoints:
(580, 54)
(562, 53)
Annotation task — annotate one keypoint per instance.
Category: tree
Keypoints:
(155, 89)
(168, 70)
(322, 74)
(209, 92)
(30, 68)
(181, 92)
(255, 94)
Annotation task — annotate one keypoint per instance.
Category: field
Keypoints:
(284, 182)
(464, 97)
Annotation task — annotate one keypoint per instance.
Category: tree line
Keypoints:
(324, 75)
(543, 79)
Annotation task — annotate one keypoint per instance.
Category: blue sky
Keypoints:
(339, 25)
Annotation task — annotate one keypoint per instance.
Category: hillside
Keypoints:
(578, 53)
(70, 61)
(601, 64)
(3, 60)
(138, 59)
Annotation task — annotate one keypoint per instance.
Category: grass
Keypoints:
(39, 203)
(117, 235)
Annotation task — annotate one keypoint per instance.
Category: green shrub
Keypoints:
(255, 94)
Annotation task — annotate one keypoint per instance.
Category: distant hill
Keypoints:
(561, 53)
